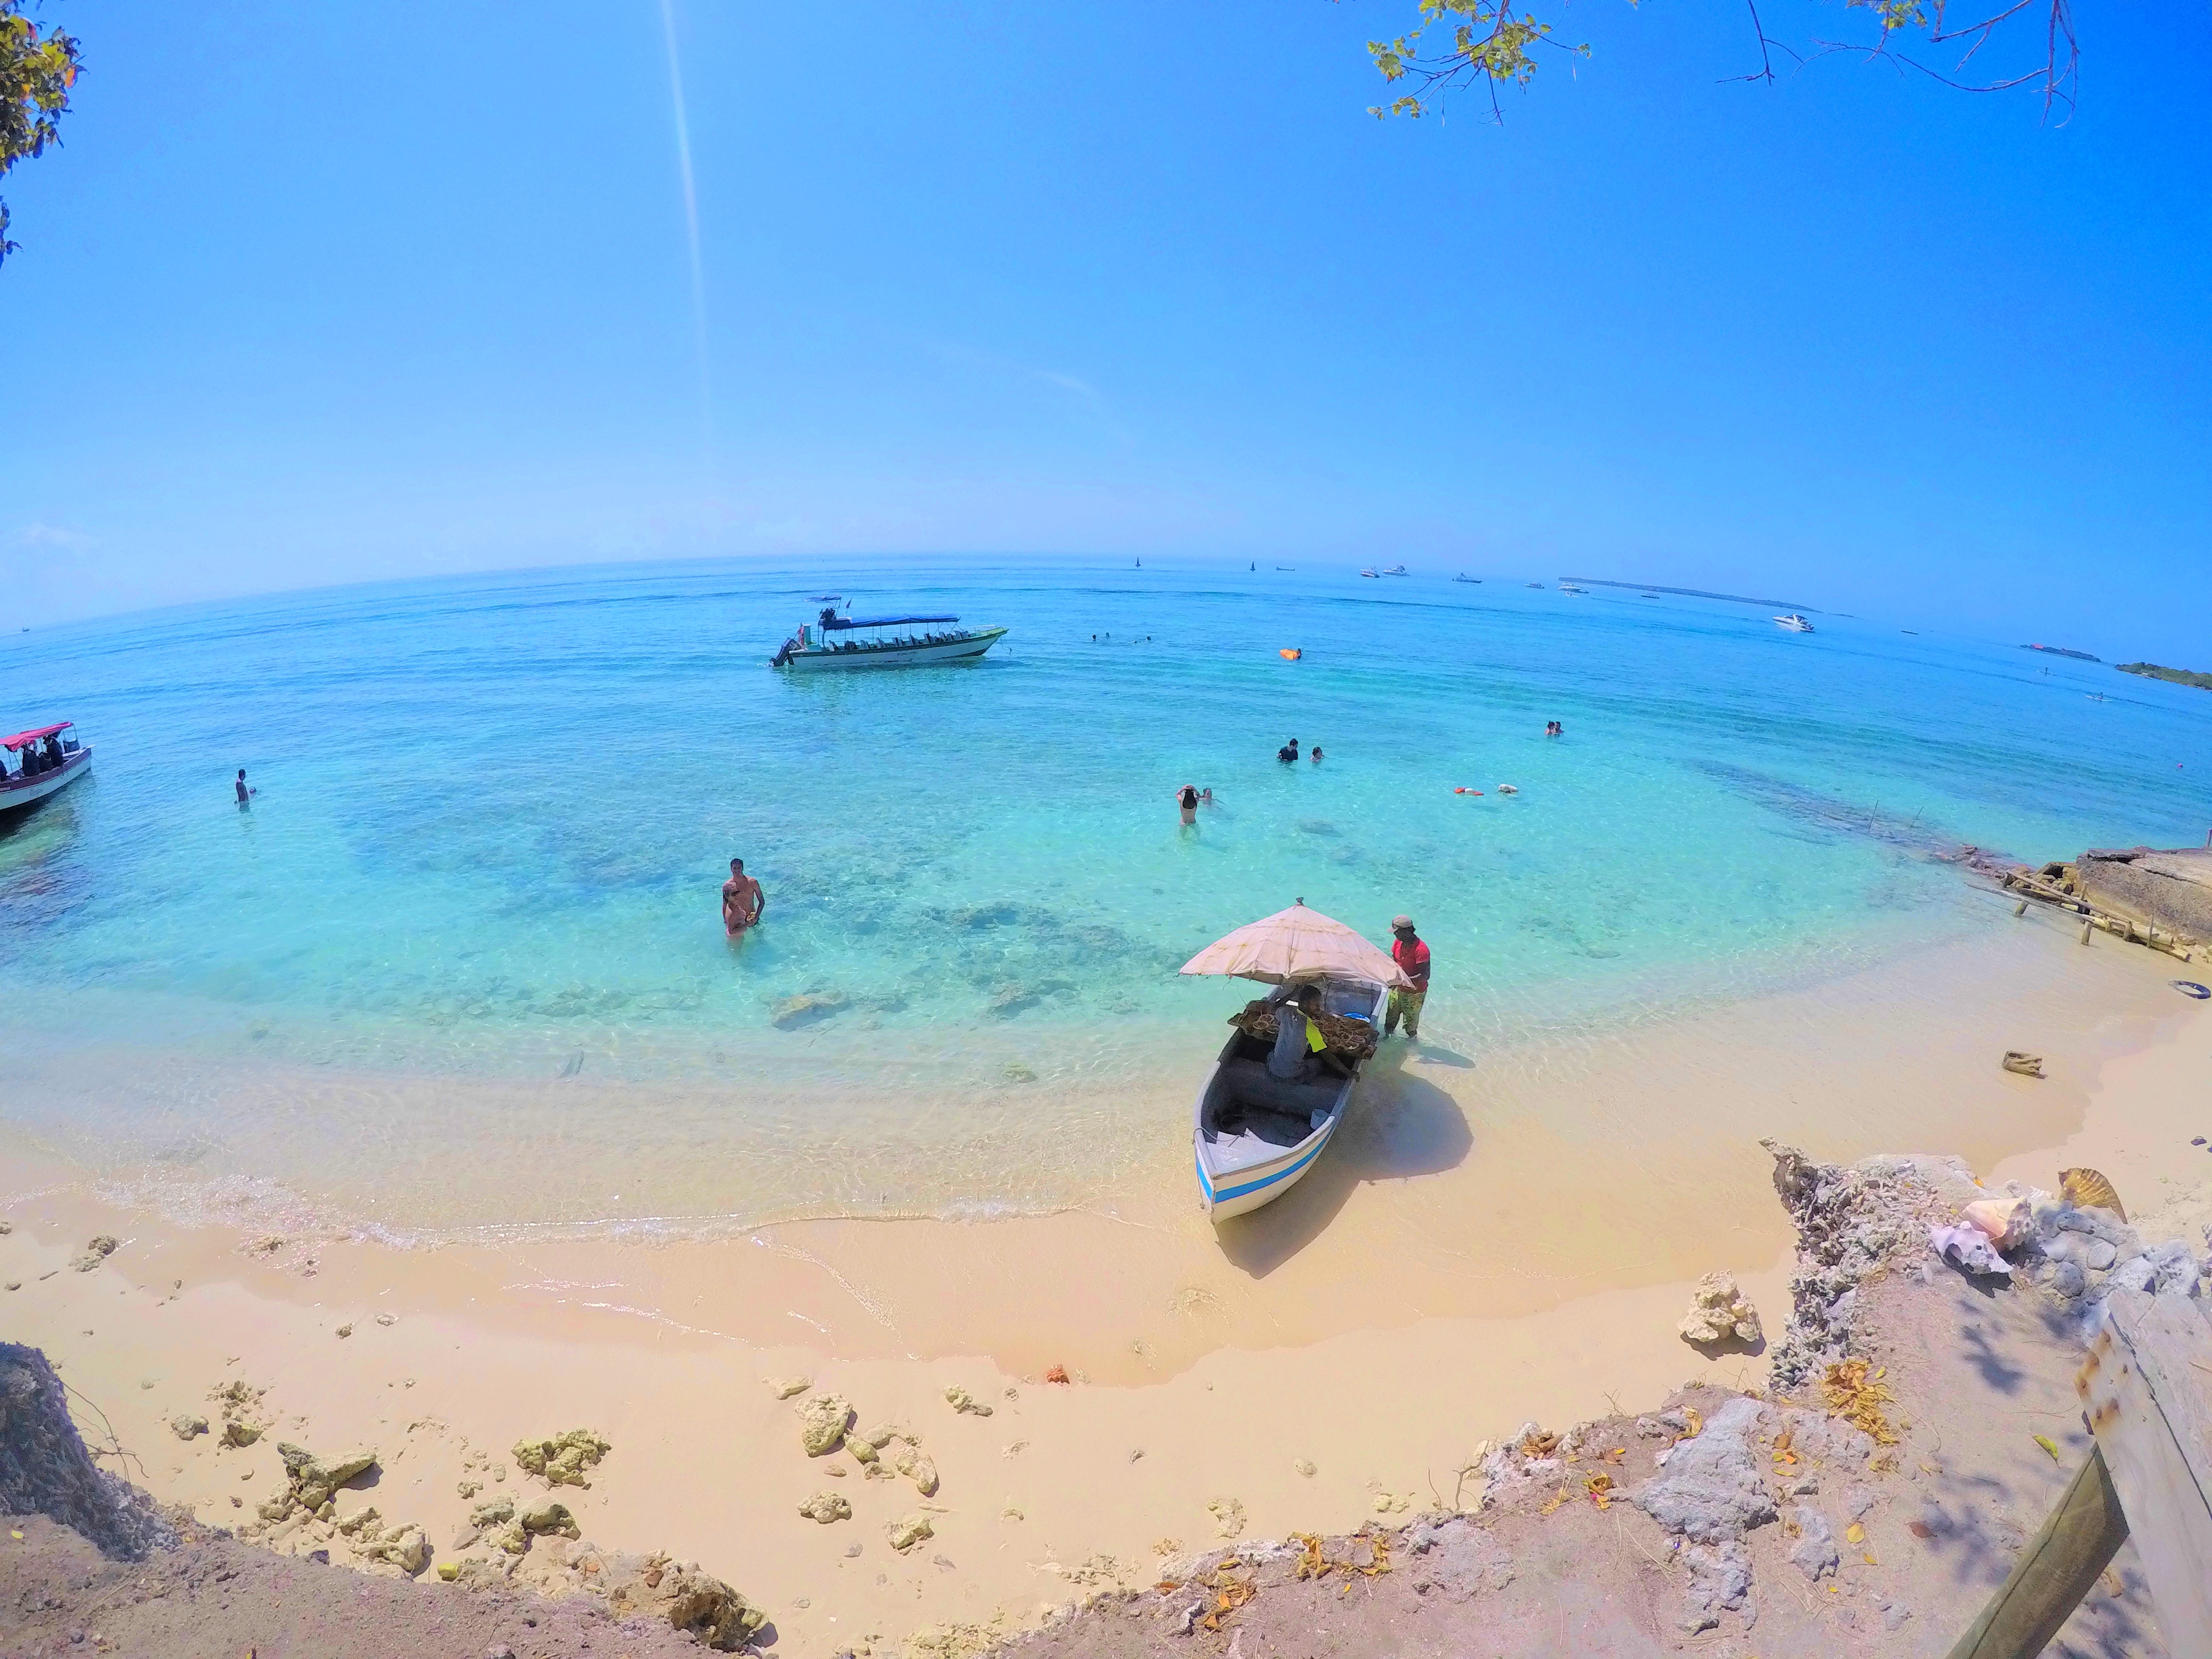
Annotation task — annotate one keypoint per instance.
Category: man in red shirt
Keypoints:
(1411, 957)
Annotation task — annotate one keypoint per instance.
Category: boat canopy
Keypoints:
(23, 738)
(882, 621)
(1294, 945)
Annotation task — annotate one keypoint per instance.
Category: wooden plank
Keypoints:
(2147, 1391)
(2053, 1573)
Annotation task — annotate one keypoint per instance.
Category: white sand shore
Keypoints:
(1504, 1238)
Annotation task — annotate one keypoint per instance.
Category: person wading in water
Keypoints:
(743, 902)
(1411, 955)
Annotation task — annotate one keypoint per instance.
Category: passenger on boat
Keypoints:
(1300, 1049)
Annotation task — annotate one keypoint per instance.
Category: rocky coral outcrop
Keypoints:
(1851, 1223)
(238, 1405)
(564, 1460)
(651, 1586)
(44, 1468)
(97, 1250)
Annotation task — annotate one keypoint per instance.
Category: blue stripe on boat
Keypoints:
(1214, 1197)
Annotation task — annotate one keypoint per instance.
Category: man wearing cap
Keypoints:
(1411, 957)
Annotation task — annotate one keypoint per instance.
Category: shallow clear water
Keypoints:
(494, 814)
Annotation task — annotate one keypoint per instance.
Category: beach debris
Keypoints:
(561, 1461)
(909, 1530)
(344, 1331)
(1056, 1374)
(826, 1507)
(2008, 1221)
(2087, 1190)
(1507, 789)
(97, 1250)
(916, 1464)
(14, 1284)
(1228, 1514)
(238, 1403)
(785, 1387)
(6, 1227)
(1856, 1393)
(806, 1009)
(961, 1401)
(1228, 1593)
(185, 1424)
(2025, 1065)
(1968, 1249)
(823, 1419)
(1536, 1444)
(387, 1319)
(1719, 1314)
(1304, 1466)
(2048, 1445)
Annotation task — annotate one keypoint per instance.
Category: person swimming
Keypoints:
(1187, 798)
(1314, 756)
(1289, 752)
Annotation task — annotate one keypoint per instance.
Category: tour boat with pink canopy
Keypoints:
(39, 763)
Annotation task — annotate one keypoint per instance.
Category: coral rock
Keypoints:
(826, 1507)
(185, 1424)
(786, 1387)
(961, 1401)
(918, 1466)
(548, 1518)
(314, 1479)
(823, 1422)
(908, 1532)
(1719, 1314)
(561, 1461)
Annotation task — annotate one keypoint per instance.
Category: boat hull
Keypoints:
(815, 662)
(16, 794)
(1229, 1187)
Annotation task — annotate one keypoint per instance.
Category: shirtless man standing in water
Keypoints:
(743, 902)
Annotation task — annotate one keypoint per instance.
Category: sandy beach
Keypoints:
(1462, 1263)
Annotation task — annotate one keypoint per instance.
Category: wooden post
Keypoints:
(2054, 1572)
(2146, 1392)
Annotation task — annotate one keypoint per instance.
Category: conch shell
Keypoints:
(2087, 1190)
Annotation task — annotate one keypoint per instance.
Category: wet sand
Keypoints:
(1494, 1238)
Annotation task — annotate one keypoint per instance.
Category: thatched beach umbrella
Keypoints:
(1296, 943)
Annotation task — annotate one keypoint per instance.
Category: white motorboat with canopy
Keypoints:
(836, 641)
(45, 760)
(1266, 1111)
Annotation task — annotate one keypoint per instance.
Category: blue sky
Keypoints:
(308, 299)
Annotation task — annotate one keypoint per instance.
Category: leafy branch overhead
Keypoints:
(1491, 47)
(36, 73)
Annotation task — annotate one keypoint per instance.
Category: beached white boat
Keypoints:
(44, 761)
(836, 641)
(1253, 1135)
(1794, 623)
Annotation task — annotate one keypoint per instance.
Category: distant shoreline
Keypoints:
(2151, 670)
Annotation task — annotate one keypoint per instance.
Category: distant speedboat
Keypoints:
(1535, 583)
(1287, 567)
(1394, 570)
(1376, 575)
(826, 599)
(1794, 623)
(46, 761)
(1569, 587)
(1477, 580)
(836, 642)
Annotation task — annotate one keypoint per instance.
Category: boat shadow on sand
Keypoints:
(1399, 1126)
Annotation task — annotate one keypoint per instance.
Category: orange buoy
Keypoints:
(1292, 654)
(1464, 790)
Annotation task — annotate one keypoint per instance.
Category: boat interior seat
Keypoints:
(1249, 1104)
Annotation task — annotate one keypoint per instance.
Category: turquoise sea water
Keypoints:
(494, 814)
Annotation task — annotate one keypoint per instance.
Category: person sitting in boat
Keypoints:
(1300, 1048)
